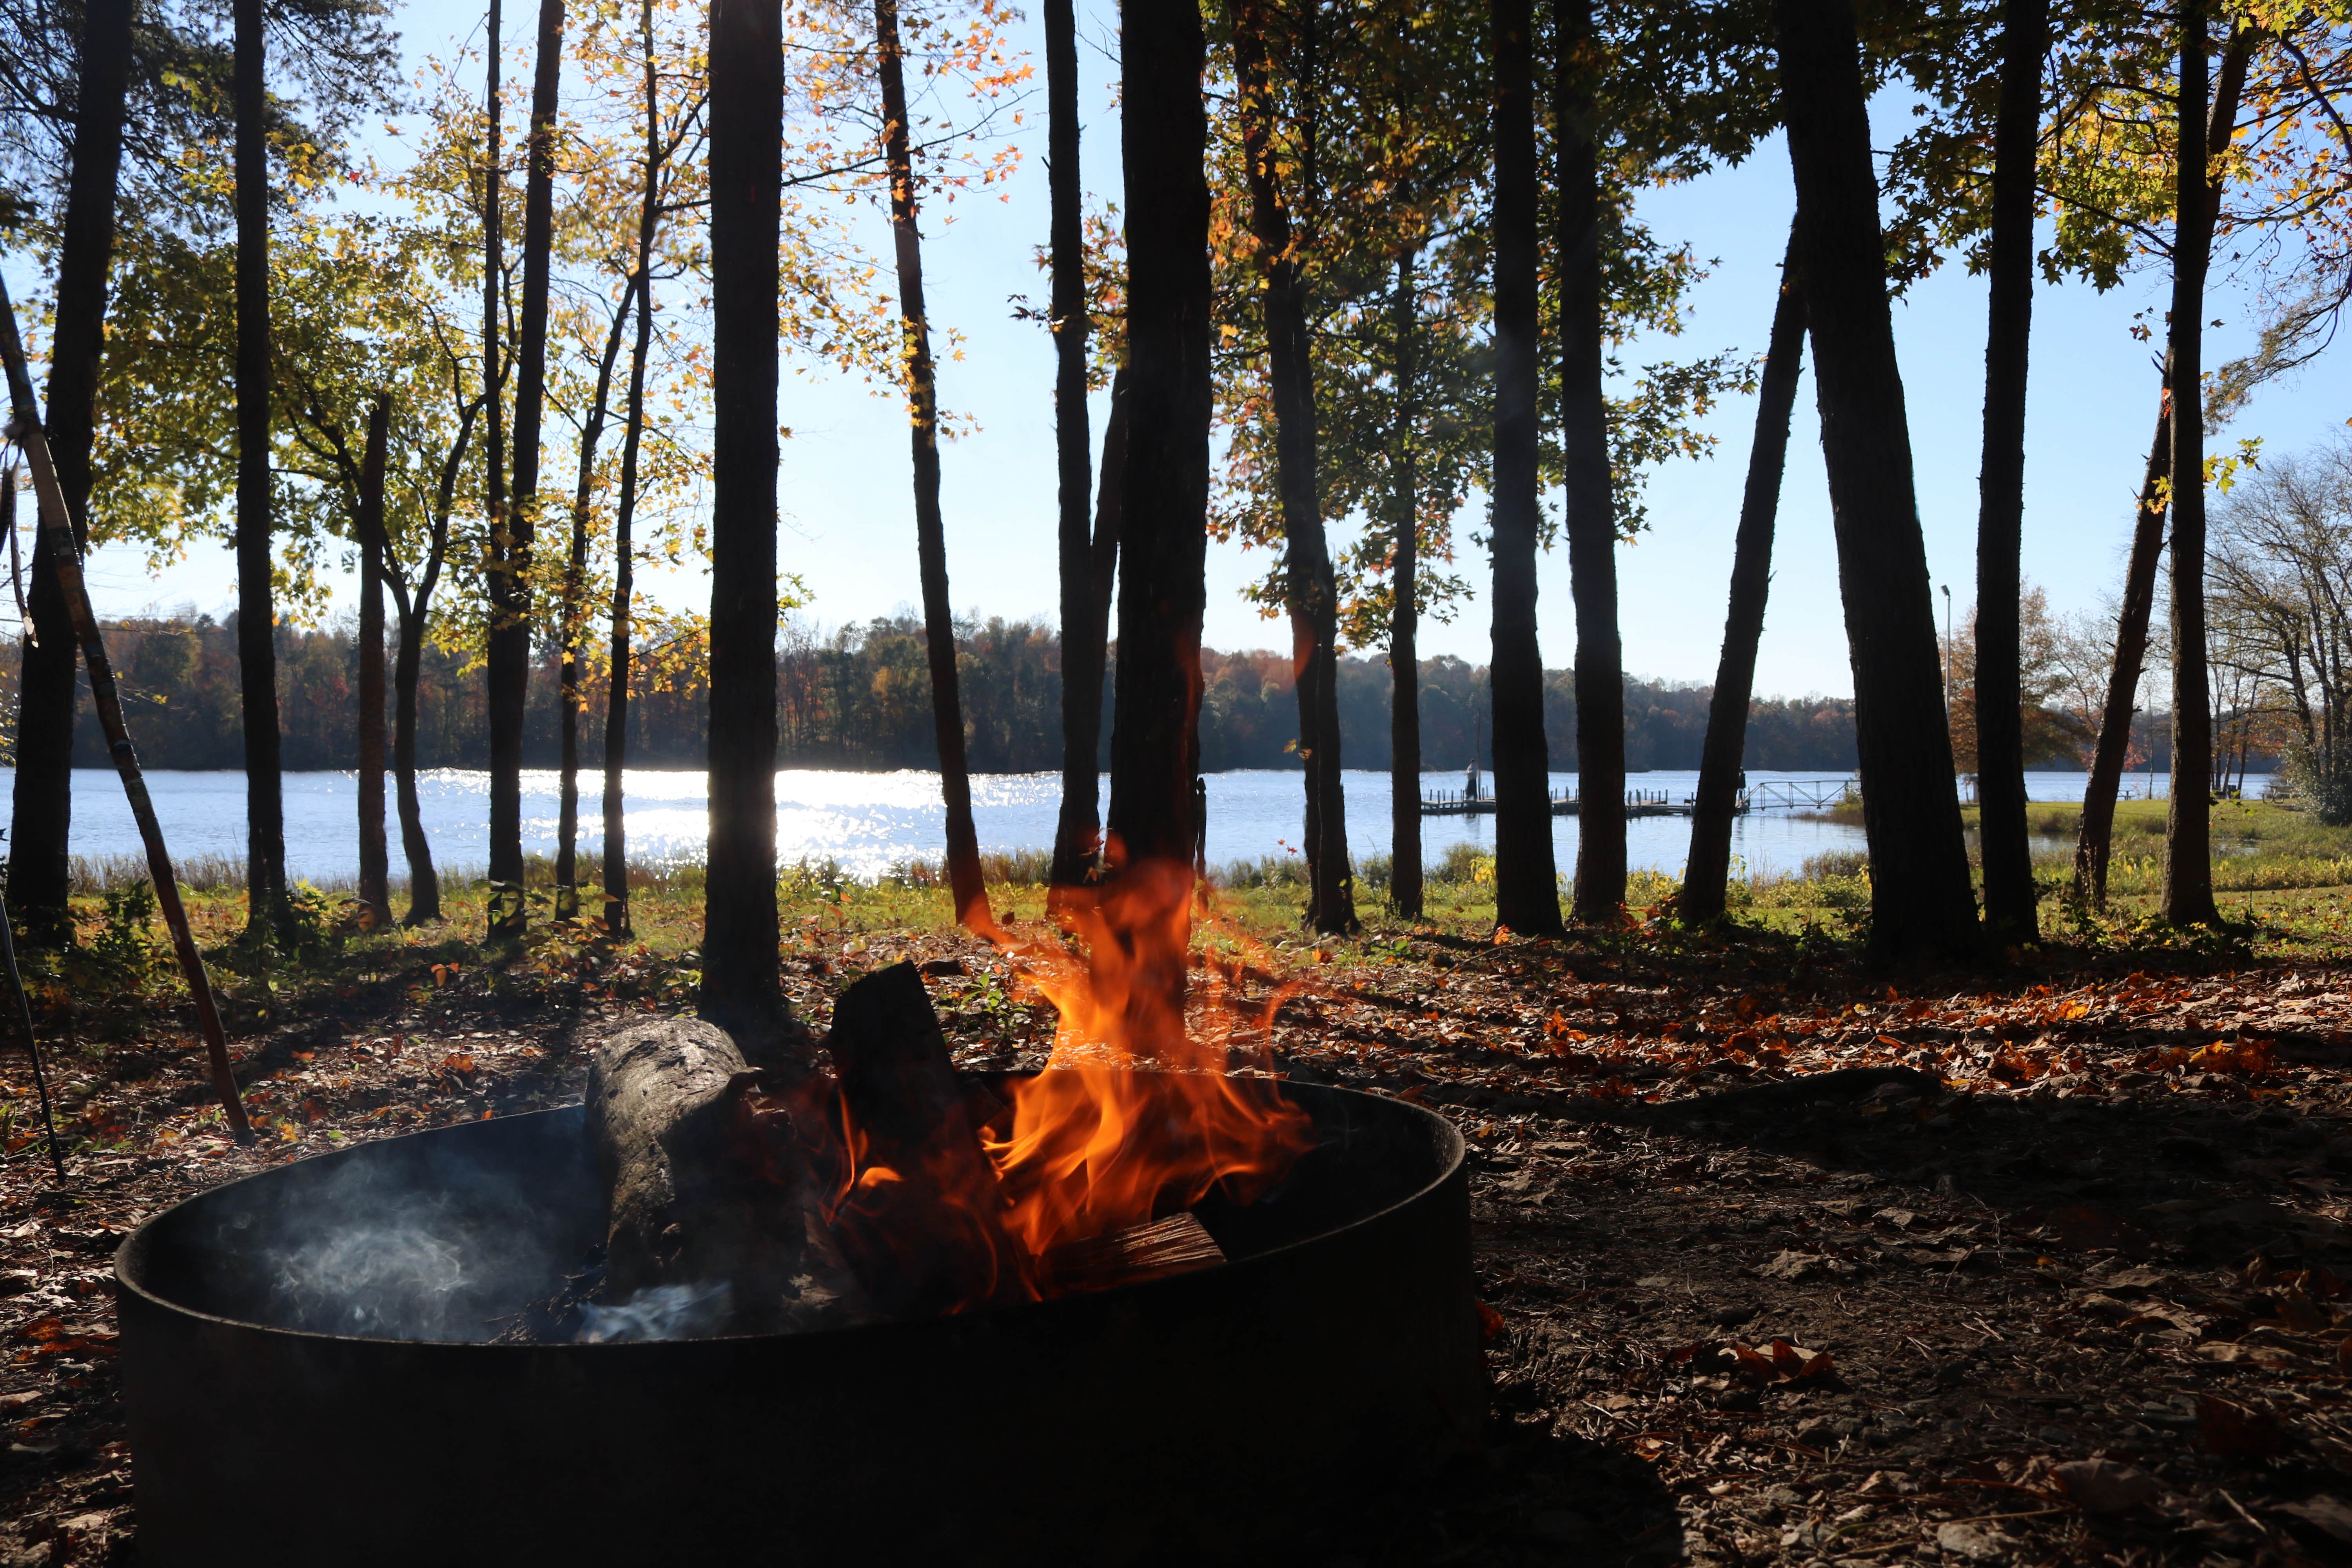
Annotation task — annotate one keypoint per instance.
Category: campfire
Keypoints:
(1180, 1293)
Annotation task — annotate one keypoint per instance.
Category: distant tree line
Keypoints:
(860, 697)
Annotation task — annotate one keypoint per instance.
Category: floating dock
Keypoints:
(1765, 794)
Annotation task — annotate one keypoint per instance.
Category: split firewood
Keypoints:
(711, 1200)
(924, 1228)
(1177, 1245)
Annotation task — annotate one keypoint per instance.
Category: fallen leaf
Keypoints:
(2105, 1486)
(1973, 1542)
(2326, 1513)
(2237, 1431)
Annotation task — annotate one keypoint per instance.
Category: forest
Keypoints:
(859, 697)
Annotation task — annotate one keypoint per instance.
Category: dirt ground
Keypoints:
(1781, 1264)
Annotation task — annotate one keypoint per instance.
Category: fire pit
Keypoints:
(277, 1415)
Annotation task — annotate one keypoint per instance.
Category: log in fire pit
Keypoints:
(307, 1361)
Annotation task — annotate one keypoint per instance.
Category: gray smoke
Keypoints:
(663, 1312)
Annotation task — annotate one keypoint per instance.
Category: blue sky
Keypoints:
(845, 495)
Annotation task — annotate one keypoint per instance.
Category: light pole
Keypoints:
(1946, 589)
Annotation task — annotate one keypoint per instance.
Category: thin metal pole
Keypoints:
(25, 429)
(32, 1040)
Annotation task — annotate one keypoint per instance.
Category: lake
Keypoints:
(869, 821)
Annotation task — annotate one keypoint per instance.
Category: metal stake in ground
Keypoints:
(24, 1019)
(25, 429)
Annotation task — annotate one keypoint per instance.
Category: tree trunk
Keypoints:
(1086, 654)
(2009, 895)
(1310, 588)
(1709, 864)
(575, 579)
(930, 530)
(43, 805)
(423, 880)
(2095, 837)
(257, 616)
(494, 467)
(508, 642)
(1163, 588)
(2188, 838)
(741, 988)
(375, 871)
(1079, 829)
(1404, 608)
(1592, 502)
(1921, 902)
(1526, 879)
(616, 700)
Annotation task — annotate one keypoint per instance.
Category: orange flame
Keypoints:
(1135, 1117)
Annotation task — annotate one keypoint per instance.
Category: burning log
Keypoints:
(713, 1203)
(1177, 1245)
(923, 1225)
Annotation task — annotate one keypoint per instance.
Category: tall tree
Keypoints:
(1584, 443)
(502, 587)
(741, 986)
(511, 535)
(1164, 528)
(2187, 838)
(1078, 830)
(1405, 584)
(1708, 866)
(1527, 881)
(375, 894)
(2009, 896)
(920, 378)
(1921, 903)
(1309, 588)
(256, 614)
(43, 804)
(2096, 834)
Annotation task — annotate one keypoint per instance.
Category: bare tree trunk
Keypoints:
(501, 581)
(1710, 865)
(1163, 532)
(1086, 657)
(415, 846)
(1922, 907)
(375, 871)
(616, 700)
(2009, 896)
(256, 614)
(1404, 609)
(1591, 493)
(42, 810)
(1310, 587)
(1527, 879)
(1079, 829)
(2093, 839)
(741, 986)
(930, 530)
(575, 578)
(508, 641)
(2188, 838)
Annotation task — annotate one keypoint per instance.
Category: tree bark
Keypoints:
(575, 579)
(2188, 838)
(494, 460)
(2009, 895)
(964, 883)
(508, 649)
(257, 616)
(1309, 585)
(2096, 835)
(375, 871)
(1404, 608)
(740, 987)
(1527, 879)
(1592, 522)
(42, 809)
(616, 700)
(1709, 867)
(1162, 589)
(1078, 830)
(1086, 657)
(1922, 905)
(415, 844)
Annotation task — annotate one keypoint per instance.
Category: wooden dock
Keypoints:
(1638, 803)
